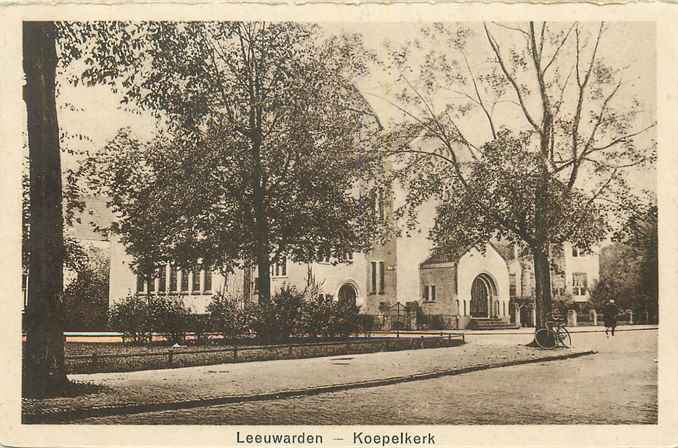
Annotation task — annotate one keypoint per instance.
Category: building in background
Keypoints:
(486, 287)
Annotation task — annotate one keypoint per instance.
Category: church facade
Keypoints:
(488, 283)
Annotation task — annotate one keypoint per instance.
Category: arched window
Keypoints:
(348, 293)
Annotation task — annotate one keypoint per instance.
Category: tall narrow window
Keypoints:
(425, 294)
(373, 280)
(208, 280)
(184, 280)
(173, 278)
(433, 293)
(279, 269)
(579, 283)
(464, 308)
(195, 286)
(162, 283)
(151, 284)
(381, 277)
(140, 283)
(577, 252)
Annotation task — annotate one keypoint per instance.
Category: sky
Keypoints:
(629, 44)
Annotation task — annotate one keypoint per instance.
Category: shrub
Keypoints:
(398, 325)
(318, 315)
(367, 323)
(86, 297)
(130, 316)
(200, 325)
(345, 318)
(282, 317)
(437, 322)
(229, 316)
(169, 316)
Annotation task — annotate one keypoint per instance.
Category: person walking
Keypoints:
(610, 311)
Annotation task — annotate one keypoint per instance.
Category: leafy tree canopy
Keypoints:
(516, 131)
(261, 141)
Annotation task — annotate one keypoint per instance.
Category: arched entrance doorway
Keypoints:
(348, 293)
(482, 292)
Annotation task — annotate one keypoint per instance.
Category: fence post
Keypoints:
(449, 338)
(235, 352)
(170, 354)
(95, 360)
(397, 333)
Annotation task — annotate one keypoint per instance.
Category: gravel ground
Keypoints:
(191, 383)
(617, 386)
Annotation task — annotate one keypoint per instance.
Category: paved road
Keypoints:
(617, 386)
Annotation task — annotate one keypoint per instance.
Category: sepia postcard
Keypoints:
(350, 225)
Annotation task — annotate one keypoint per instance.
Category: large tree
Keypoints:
(43, 370)
(528, 138)
(629, 267)
(261, 140)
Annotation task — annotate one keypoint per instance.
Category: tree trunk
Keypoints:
(542, 276)
(247, 282)
(43, 368)
(262, 249)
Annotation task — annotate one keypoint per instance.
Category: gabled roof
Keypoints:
(506, 253)
(437, 259)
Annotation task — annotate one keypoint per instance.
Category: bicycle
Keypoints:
(554, 335)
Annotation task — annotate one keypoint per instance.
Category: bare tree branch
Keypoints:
(511, 28)
(497, 52)
(555, 53)
(622, 139)
(480, 99)
(601, 114)
(580, 100)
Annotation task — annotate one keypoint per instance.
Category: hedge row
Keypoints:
(290, 313)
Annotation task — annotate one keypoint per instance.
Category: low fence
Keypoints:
(181, 357)
(412, 320)
(421, 333)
